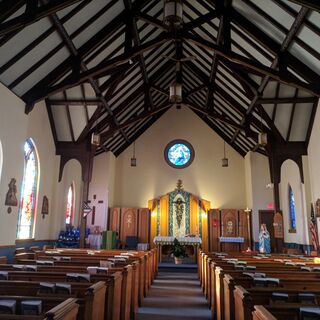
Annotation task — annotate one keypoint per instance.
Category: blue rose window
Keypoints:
(179, 154)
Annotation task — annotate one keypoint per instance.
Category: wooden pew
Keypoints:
(92, 297)
(66, 310)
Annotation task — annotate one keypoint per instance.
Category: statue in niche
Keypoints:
(11, 198)
(179, 205)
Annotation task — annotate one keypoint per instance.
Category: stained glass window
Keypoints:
(179, 154)
(292, 210)
(26, 217)
(70, 206)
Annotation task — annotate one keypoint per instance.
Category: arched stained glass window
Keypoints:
(292, 211)
(70, 205)
(29, 189)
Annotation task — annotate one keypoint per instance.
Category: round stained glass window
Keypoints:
(179, 154)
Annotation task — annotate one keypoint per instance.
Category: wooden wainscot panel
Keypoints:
(229, 228)
(244, 229)
(261, 313)
(144, 225)
(114, 219)
(129, 223)
(214, 229)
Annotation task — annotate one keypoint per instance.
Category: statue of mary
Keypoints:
(264, 239)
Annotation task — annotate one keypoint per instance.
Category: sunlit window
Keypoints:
(292, 210)
(26, 217)
(70, 205)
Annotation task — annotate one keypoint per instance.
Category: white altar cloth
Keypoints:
(183, 240)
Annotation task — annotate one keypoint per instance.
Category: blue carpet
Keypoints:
(175, 296)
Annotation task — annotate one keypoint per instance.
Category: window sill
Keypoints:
(24, 240)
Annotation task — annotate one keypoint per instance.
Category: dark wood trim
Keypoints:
(26, 19)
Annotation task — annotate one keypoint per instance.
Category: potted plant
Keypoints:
(178, 251)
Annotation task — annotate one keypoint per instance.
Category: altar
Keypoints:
(164, 246)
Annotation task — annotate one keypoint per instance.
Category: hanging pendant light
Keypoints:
(262, 139)
(175, 92)
(133, 160)
(173, 11)
(262, 136)
(95, 136)
(225, 161)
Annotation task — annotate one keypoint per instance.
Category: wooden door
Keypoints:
(267, 216)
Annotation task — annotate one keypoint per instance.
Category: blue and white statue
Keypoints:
(264, 239)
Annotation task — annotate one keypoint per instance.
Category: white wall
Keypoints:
(15, 128)
(290, 175)
(71, 174)
(224, 187)
(102, 185)
(1, 159)
(314, 160)
(258, 196)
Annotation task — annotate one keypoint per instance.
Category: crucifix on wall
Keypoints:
(95, 203)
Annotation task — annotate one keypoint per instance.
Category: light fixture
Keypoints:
(173, 11)
(225, 161)
(175, 92)
(133, 161)
(262, 136)
(262, 139)
(95, 136)
(95, 139)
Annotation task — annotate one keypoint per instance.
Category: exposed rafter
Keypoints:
(33, 13)
(311, 4)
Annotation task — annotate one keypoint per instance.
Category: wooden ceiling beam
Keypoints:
(9, 7)
(223, 39)
(146, 114)
(124, 104)
(74, 102)
(81, 66)
(103, 68)
(295, 27)
(158, 89)
(132, 24)
(254, 66)
(311, 4)
(214, 115)
(201, 20)
(271, 45)
(151, 20)
(286, 100)
(138, 133)
(85, 50)
(38, 12)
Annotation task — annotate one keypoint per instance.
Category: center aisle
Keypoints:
(175, 295)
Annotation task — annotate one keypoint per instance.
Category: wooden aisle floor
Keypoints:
(175, 296)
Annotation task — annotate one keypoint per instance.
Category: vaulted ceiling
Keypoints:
(103, 66)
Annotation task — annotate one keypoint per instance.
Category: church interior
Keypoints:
(159, 159)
